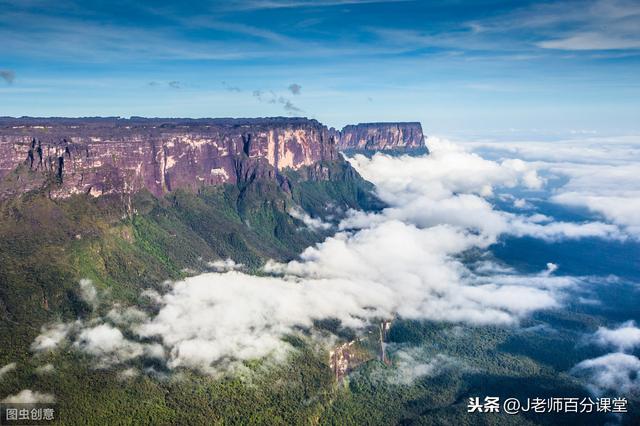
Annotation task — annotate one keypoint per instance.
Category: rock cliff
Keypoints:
(114, 155)
(105, 155)
(387, 137)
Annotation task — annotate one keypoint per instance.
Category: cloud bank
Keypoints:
(453, 185)
(403, 261)
(598, 174)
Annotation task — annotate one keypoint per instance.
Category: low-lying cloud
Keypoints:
(618, 372)
(45, 369)
(224, 265)
(411, 365)
(394, 268)
(312, 222)
(88, 292)
(405, 260)
(51, 336)
(623, 338)
(452, 186)
(27, 396)
(7, 369)
(601, 174)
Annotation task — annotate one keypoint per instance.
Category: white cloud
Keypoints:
(100, 339)
(551, 268)
(215, 318)
(7, 368)
(27, 396)
(51, 336)
(393, 268)
(225, 265)
(624, 338)
(521, 203)
(598, 174)
(314, 223)
(278, 4)
(595, 25)
(128, 373)
(448, 169)
(45, 369)
(125, 316)
(622, 210)
(410, 365)
(618, 372)
(402, 261)
(88, 292)
(104, 341)
(153, 295)
(451, 186)
(108, 344)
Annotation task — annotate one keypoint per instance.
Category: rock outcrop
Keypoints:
(111, 155)
(386, 137)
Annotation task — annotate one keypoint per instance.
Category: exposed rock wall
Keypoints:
(100, 156)
(382, 137)
(112, 155)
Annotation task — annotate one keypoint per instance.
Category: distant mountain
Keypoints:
(394, 138)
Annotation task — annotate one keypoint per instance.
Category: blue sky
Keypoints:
(458, 66)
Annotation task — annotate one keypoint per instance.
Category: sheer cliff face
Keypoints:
(99, 156)
(382, 137)
(110, 155)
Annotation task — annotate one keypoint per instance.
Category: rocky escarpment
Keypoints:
(112, 155)
(386, 137)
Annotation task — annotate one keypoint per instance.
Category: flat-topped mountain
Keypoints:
(114, 155)
(387, 137)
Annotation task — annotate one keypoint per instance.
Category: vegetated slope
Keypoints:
(126, 241)
(125, 245)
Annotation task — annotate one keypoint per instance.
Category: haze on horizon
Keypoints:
(457, 66)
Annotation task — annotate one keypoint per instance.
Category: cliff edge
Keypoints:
(99, 156)
(386, 137)
(112, 155)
